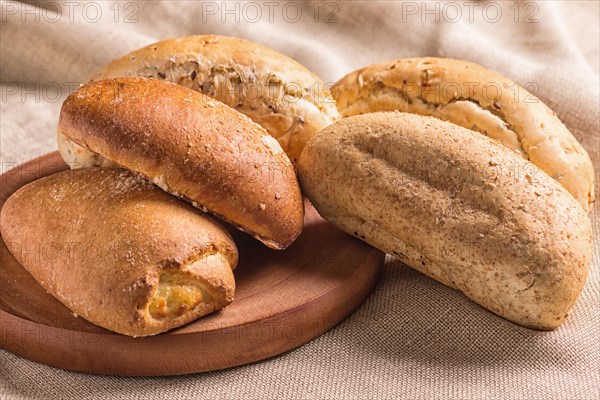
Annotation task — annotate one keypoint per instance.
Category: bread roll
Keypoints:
(476, 98)
(192, 146)
(118, 251)
(458, 207)
(275, 91)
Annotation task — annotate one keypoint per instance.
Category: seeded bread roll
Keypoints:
(118, 251)
(275, 91)
(192, 146)
(449, 204)
(476, 98)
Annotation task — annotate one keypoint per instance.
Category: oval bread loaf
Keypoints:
(120, 252)
(476, 98)
(458, 207)
(275, 91)
(192, 146)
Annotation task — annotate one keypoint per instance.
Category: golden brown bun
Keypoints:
(476, 98)
(118, 251)
(275, 91)
(193, 147)
(448, 203)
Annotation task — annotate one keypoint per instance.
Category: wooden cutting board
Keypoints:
(283, 300)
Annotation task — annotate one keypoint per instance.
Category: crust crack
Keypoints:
(237, 79)
(436, 108)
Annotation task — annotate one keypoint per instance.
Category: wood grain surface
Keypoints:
(283, 300)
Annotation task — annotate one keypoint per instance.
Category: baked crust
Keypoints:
(275, 91)
(476, 98)
(449, 204)
(102, 241)
(192, 146)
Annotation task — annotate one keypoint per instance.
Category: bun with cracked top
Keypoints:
(275, 91)
(475, 98)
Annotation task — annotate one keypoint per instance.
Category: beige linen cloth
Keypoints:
(413, 338)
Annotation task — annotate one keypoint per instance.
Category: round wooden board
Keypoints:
(283, 300)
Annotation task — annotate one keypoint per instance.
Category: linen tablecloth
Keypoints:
(413, 338)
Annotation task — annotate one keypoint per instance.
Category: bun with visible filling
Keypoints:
(120, 252)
